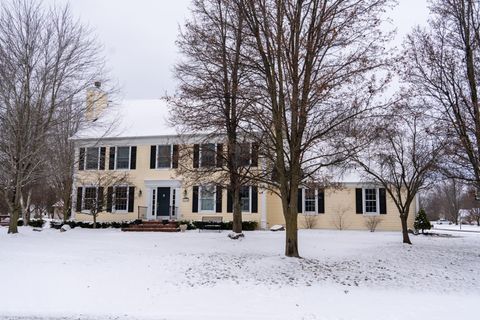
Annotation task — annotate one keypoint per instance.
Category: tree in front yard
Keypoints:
(421, 221)
(403, 156)
(312, 66)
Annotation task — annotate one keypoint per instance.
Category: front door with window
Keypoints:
(163, 203)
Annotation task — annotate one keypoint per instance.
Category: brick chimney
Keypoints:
(97, 101)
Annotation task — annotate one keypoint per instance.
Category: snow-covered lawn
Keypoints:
(107, 274)
(453, 227)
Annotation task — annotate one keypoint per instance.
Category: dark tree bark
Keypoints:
(211, 98)
(442, 64)
(311, 62)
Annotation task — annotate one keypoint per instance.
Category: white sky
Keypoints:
(139, 38)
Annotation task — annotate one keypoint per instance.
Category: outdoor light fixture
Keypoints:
(185, 196)
(140, 192)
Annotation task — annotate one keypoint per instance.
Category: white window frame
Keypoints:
(304, 207)
(249, 200)
(200, 210)
(114, 203)
(377, 202)
(84, 190)
(200, 155)
(86, 158)
(129, 157)
(157, 156)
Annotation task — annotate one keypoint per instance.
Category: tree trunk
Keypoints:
(406, 238)
(14, 215)
(291, 234)
(94, 221)
(237, 212)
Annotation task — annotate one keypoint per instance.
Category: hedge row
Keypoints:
(89, 224)
(36, 223)
(246, 225)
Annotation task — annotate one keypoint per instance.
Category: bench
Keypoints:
(211, 223)
(4, 219)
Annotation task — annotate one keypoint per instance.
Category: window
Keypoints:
(207, 198)
(121, 198)
(90, 198)
(207, 155)
(245, 199)
(244, 154)
(310, 201)
(123, 158)
(164, 156)
(370, 201)
(93, 157)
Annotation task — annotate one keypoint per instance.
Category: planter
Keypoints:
(183, 227)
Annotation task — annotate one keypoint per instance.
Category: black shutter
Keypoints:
(111, 159)
(175, 156)
(383, 200)
(79, 199)
(229, 201)
(195, 199)
(153, 157)
(109, 199)
(254, 199)
(103, 151)
(218, 200)
(101, 161)
(100, 199)
(299, 201)
(133, 158)
(131, 198)
(81, 159)
(359, 200)
(254, 162)
(219, 155)
(321, 201)
(196, 155)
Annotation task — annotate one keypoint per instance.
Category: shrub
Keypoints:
(36, 223)
(372, 222)
(227, 225)
(421, 221)
(89, 225)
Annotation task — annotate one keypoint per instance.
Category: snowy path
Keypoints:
(107, 274)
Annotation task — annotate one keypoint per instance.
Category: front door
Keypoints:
(163, 203)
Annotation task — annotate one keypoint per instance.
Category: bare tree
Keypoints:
(442, 64)
(475, 215)
(372, 222)
(310, 221)
(340, 220)
(312, 64)
(47, 59)
(211, 99)
(452, 193)
(403, 157)
(101, 184)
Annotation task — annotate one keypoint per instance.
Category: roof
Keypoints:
(130, 119)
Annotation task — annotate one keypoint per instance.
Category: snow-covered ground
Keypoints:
(453, 227)
(107, 274)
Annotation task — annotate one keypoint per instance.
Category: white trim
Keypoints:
(156, 157)
(116, 158)
(315, 199)
(200, 210)
(377, 202)
(114, 206)
(85, 162)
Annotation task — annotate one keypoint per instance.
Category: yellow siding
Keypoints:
(338, 202)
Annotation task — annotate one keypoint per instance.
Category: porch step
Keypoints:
(153, 226)
(149, 229)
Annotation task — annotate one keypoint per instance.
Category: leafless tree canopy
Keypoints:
(47, 59)
(442, 64)
(403, 156)
(313, 68)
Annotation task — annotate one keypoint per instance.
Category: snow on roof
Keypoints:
(130, 119)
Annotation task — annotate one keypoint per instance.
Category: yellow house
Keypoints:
(134, 140)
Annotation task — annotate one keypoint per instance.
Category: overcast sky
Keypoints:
(139, 38)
